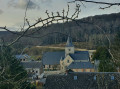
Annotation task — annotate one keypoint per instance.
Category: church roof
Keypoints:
(81, 65)
(52, 58)
(80, 55)
(69, 42)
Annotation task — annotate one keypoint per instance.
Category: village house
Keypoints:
(23, 58)
(33, 68)
(77, 61)
(84, 80)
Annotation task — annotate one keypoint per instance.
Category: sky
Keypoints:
(12, 12)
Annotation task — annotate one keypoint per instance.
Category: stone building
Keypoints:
(77, 61)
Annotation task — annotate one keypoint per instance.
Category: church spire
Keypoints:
(69, 42)
(69, 46)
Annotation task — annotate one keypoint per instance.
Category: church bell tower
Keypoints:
(69, 49)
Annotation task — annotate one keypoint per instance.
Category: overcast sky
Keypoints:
(12, 11)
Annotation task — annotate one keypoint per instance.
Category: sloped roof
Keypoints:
(80, 65)
(32, 64)
(52, 58)
(24, 56)
(69, 42)
(83, 81)
(80, 55)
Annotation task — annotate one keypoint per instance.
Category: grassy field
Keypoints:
(36, 52)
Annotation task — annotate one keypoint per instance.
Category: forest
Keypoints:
(85, 30)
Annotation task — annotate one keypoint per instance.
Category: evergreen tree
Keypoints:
(12, 74)
(103, 55)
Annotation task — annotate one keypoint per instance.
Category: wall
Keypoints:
(37, 71)
(69, 50)
(51, 67)
(83, 70)
(66, 62)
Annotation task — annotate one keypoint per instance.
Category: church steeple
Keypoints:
(69, 46)
(69, 42)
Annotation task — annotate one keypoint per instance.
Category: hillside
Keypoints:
(83, 30)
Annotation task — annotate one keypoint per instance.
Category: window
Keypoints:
(94, 77)
(65, 67)
(68, 61)
(91, 56)
(75, 77)
(69, 49)
(112, 78)
(48, 66)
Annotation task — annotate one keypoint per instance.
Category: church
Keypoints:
(77, 61)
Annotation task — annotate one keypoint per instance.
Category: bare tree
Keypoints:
(6, 63)
(50, 19)
(45, 22)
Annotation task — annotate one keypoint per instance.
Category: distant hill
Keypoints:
(83, 30)
(4, 33)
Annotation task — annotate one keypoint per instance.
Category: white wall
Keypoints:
(69, 50)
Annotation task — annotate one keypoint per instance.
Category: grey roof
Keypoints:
(83, 81)
(80, 55)
(81, 65)
(24, 56)
(32, 64)
(69, 42)
(52, 58)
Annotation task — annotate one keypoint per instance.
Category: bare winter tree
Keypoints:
(55, 18)
(11, 73)
(58, 17)
(50, 19)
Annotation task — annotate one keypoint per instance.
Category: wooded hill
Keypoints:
(91, 31)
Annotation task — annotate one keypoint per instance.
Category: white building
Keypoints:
(34, 68)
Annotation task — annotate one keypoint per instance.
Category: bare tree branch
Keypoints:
(96, 2)
(90, 1)
(44, 22)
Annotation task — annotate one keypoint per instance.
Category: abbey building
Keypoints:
(76, 61)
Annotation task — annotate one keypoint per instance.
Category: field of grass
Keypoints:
(36, 52)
